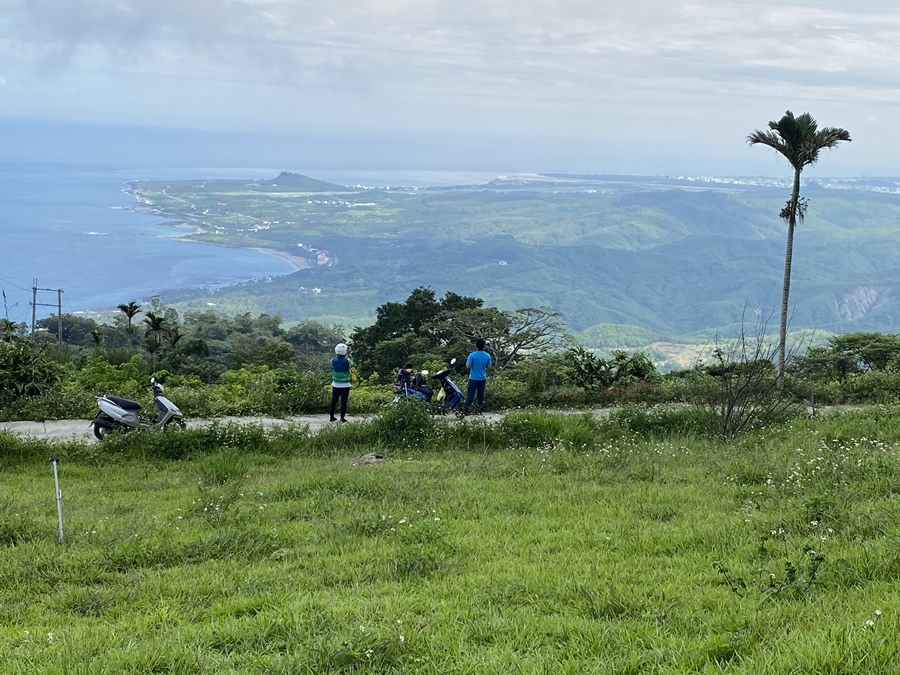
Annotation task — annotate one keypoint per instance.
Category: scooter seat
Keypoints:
(124, 403)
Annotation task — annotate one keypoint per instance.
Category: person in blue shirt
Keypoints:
(477, 363)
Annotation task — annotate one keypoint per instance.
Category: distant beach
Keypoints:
(297, 261)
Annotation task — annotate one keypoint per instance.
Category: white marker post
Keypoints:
(55, 461)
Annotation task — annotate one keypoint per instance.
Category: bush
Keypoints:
(405, 424)
(640, 391)
(99, 377)
(874, 386)
(661, 420)
(365, 398)
(536, 428)
(542, 373)
(26, 370)
(55, 404)
(503, 392)
(531, 429)
(568, 396)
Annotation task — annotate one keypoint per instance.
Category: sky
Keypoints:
(612, 86)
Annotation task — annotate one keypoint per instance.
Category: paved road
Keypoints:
(82, 429)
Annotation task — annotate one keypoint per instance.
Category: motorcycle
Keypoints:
(450, 395)
(120, 413)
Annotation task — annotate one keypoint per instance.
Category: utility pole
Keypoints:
(59, 317)
(34, 291)
(35, 304)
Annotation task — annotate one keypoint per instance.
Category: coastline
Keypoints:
(144, 205)
(299, 262)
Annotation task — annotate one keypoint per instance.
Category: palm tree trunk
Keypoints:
(786, 286)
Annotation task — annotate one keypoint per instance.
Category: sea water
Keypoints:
(74, 228)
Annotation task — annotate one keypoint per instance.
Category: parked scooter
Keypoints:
(412, 385)
(120, 413)
(450, 393)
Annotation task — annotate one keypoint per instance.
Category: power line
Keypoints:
(7, 281)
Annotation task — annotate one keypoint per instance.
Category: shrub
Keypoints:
(661, 420)
(180, 444)
(640, 391)
(542, 373)
(503, 392)
(874, 386)
(25, 370)
(531, 429)
(405, 424)
(568, 396)
(98, 377)
(55, 404)
(365, 398)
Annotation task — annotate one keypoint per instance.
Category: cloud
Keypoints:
(468, 43)
(506, 65)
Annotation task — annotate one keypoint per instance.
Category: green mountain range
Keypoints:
(621, 257)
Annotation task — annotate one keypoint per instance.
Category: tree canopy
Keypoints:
(424, 329)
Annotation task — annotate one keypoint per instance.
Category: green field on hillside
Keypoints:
(672, 257)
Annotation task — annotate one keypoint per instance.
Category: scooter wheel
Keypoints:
(101, 431)
(176, 422)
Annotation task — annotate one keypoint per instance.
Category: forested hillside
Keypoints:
(662, 257)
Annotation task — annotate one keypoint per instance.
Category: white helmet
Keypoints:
(340, 349)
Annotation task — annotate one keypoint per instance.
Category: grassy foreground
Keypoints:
(600, 550)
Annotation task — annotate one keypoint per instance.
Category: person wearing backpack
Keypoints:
(342, 369)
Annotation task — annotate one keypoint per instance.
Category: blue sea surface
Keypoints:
(73, 228)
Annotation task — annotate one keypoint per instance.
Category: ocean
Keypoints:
(74, 228)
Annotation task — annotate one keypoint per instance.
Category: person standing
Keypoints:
(477, 363)
(340, 380)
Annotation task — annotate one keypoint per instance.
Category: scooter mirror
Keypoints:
(424, 372)
(453, 360)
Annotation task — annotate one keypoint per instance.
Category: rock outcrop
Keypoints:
(862, 300)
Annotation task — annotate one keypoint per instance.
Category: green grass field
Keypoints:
(540, 544)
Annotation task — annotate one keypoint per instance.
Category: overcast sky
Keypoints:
(629, 86)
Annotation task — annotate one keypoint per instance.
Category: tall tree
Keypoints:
(509, 334)
(800, 141)
(10, 330)
(405, 331)
(154, 335)
(76, 330)
(130, 310)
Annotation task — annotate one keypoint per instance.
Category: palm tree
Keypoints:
(800, 140)
(130, 310)
(9, 330)
(97, 337)
(153, 337)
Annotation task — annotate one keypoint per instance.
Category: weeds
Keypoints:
(796, 579)
(565, 543)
